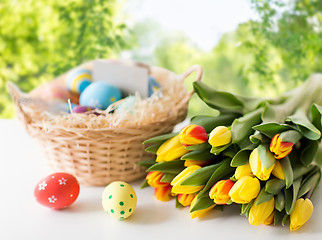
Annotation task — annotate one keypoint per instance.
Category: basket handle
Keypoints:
(195, 68)
(16, 95)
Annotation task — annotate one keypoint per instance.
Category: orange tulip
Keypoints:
(186, 199)
(279, 148)
(163, 193)
(193, 135)
(220, 191)
(154, 179)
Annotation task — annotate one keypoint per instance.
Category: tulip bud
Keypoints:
(193, 135)
(163, 193)
(279, 148)
(278, 171)
(186, 199)
(243, 170)
(244, 190)
(257, 167)
(261, 212)
(201, 163)
(269, 220)
(199, 213)
(170, 150)
(185, 189)
(219, 136)
(301, 213)
(219, 192)
(154, 179)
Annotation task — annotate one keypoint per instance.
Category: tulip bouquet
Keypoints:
(264, 154)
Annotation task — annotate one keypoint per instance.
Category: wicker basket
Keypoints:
(99, 156)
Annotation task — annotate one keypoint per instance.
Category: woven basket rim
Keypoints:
(17, 95)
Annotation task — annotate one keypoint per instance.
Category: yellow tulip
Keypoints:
(257, 167)
(200, 163)
(186, 199)
(279, 148)
(242, 171)
(278, 171)
(176, 182)
(192, 135)
(301, 213)
(244, 190)
(261, 212)
(220, 136)
(170, 150)
(199, 213)
(269, 220)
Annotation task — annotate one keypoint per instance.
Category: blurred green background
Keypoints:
(40, 40)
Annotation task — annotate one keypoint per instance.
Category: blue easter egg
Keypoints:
(153, 86)
(99, 95)
(79, 79)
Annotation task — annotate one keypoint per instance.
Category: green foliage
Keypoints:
(40, 40)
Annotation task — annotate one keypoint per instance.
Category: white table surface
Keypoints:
(21, 217)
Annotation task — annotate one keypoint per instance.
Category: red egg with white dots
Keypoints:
(57, 191)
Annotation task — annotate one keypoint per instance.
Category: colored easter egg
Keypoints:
(127, 104)
(99, 95)
(153, 86)
(119, 200)
(57, 191)
(78, 80)
(82, 109)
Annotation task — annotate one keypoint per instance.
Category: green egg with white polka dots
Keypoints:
(119, 200)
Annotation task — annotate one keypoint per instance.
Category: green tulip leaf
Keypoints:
(274, 186)
(202, 146)
(153, 148)
(242, 127)
(316, 114)
(285, 219)
(144, 184)
(258, 138)
(224, 170)
(277, 216)
(263, 196)
(305, 126)
(222, 101)
(218, 150)
(291, 195)
(288, 170)
(146, 163)
(174, 167)
(161, 138)
(271, 129)
(241, 158)
(318, 155)
(168, 177)
(309, 183)
(202, 203)
(292, 136)
(200, 176)
(246, 208)
(299, 170)
(210, 122)
(308, 153)
(266, 156)
(198, 155)
(280, 201)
